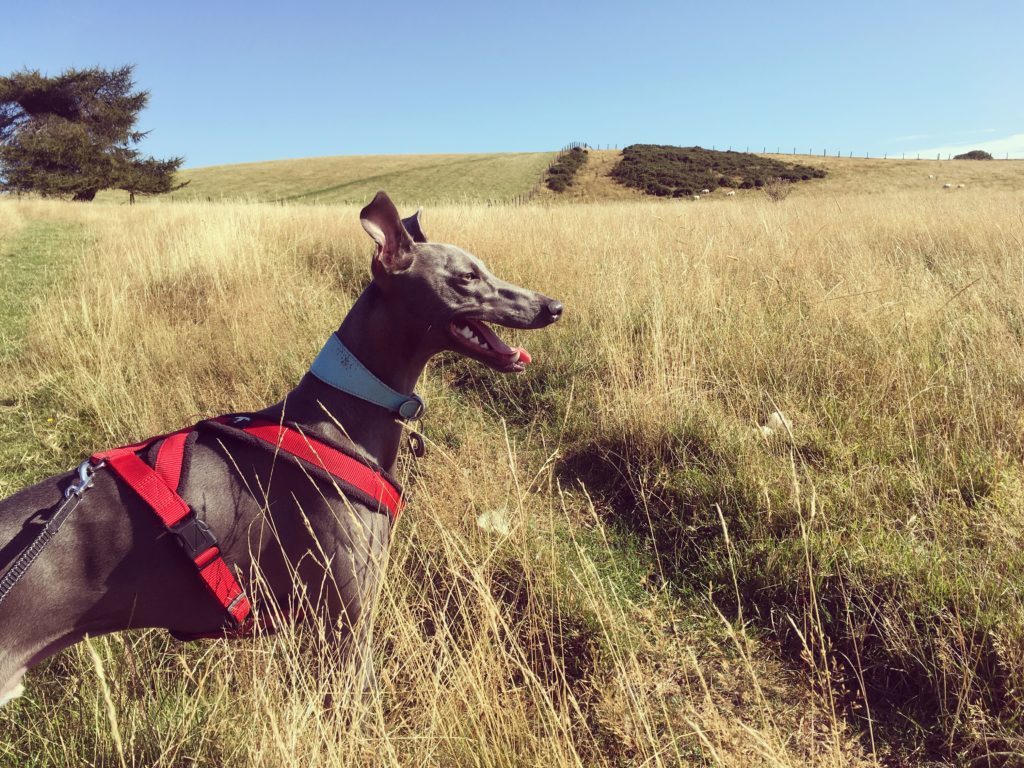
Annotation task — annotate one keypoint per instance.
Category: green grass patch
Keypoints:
(408, 179)
(35, 439)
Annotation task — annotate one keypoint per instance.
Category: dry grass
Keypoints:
(675, 588)
(858, 175)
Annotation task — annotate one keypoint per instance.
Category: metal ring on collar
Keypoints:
(412, 409)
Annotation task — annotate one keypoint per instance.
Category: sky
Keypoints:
(234, 82)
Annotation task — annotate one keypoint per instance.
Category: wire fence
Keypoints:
(780, 150)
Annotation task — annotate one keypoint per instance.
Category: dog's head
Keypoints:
(449, 293)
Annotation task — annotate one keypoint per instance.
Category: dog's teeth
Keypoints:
(484, 345)
(464, 330)
(515, 357)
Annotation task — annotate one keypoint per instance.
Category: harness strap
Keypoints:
(339, 465)
(158, 488)
(170, 457)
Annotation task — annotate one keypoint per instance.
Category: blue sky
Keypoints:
(246, 81)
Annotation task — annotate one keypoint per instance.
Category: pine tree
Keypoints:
(74, 134)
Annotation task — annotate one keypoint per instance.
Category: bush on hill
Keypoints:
(682, 171)
(562, 174)
(974, 154)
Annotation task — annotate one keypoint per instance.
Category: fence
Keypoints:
(526, 197)
(826, 153)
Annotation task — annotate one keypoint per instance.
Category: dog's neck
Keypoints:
(392, 353)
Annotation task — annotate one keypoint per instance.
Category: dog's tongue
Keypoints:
(499, 346)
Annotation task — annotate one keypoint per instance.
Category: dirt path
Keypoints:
(593, 182)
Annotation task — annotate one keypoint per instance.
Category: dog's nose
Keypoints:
(555, 309)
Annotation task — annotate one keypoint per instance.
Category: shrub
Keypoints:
(650, 167)
(562, 174)
(777, 188)
(974, 154)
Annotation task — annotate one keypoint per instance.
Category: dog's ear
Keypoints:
(412, 226)
(381, 221)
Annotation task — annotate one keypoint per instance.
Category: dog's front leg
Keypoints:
(357, 570)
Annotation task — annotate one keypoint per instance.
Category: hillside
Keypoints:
(846, 176)
(419, 179)
(433, 179)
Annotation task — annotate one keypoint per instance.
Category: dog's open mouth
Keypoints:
(477, 340)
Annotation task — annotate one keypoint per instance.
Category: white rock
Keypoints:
(778, 421)
(766, 432)
(13, 694)
(495, 521)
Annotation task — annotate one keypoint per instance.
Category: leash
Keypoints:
(72, 498)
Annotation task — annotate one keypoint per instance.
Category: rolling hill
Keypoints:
(347, 179)
(434, 179)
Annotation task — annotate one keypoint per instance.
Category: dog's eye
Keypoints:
(468, 276)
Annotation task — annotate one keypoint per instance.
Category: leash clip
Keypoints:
(85, 472)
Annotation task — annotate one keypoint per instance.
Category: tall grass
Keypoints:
(674, 587)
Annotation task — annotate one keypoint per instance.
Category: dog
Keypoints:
(114, 565)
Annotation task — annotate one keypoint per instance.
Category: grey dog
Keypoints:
(113, 566)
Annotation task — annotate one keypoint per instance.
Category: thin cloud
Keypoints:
(1012, 146)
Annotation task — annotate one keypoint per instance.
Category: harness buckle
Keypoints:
(194, 535)
(413, 408)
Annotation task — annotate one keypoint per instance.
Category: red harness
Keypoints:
(158, 487)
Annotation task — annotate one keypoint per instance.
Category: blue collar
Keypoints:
(337, 367)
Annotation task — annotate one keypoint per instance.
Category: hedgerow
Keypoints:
(562, 174)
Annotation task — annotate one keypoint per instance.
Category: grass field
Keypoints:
(414, 179)
(676, 587)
